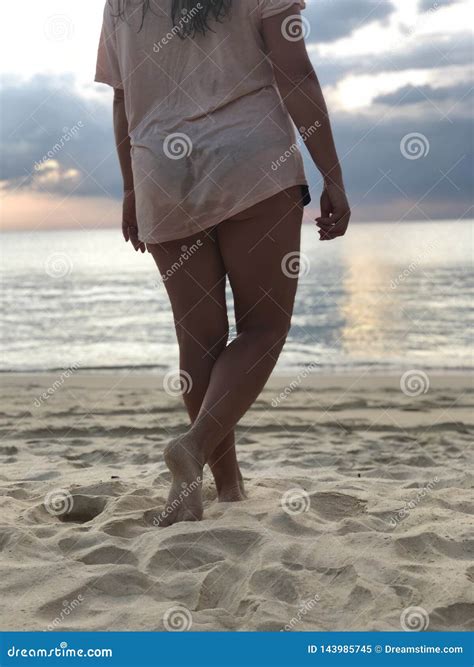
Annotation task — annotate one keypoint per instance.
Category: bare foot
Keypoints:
(231, 490)
(185, 496)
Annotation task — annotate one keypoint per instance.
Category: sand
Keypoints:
(358, 517)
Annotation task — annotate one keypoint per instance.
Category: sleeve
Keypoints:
(271, 7)
(108, 66)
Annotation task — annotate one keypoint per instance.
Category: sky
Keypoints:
(397, 77)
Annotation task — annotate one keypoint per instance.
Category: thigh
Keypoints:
(260, 250)
(194, 275)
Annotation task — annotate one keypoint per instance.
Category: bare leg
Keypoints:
(194, 276)
(254, 246)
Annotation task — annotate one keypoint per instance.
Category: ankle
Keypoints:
(229, 493)
(203, 439)
(183, 446)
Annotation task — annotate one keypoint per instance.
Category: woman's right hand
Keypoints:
(335, 212)
(129, 221)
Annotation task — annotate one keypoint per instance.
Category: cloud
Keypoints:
(376, 171)
(421, 94)
(432, 5)
(430, 53)
(54, 140)
(333, 20)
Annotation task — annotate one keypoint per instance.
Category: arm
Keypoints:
(122, 140)
(301, 93)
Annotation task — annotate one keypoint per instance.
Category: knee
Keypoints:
(205, 339)
(270, 339)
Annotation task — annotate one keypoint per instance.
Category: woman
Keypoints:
(205, 92)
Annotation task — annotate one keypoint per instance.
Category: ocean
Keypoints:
(388, 297)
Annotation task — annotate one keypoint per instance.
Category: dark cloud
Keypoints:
(433, 5)
(421, 94)
(378, 173)
(332, 20)
(45, 118)
(435, 52)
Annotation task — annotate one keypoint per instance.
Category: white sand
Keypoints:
(356, 558)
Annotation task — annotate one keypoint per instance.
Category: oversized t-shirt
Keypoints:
(210, 134)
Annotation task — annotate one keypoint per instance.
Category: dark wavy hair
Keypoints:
(189, 17)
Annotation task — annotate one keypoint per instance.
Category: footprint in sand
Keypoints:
(274, 581)
(74, 508)
(109, 554)
(457, 616)
(429, 544)
(83, 509)
(336, 506)
(8, 450)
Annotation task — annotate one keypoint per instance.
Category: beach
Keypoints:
(358, 513)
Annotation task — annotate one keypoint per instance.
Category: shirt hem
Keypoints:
(108, 82)
(227, 216)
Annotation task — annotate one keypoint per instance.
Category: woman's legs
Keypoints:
(194, 276)
(256, 249)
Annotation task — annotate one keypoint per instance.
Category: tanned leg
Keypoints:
(194, 276)
(256, 248)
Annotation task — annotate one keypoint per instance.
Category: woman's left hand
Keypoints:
(129, 221)
(335, 212)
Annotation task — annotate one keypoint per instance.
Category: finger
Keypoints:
(325, 225)
(325, 236)
(324, 222)
(340, 218)
(325, 231)
(134, 238)
(334, 233)
(125, 233)
(325, 228)
(137, 244)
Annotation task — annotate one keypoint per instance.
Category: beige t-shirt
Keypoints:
(210, 135)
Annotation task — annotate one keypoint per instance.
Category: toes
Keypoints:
(161, 520)
(188, 515)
